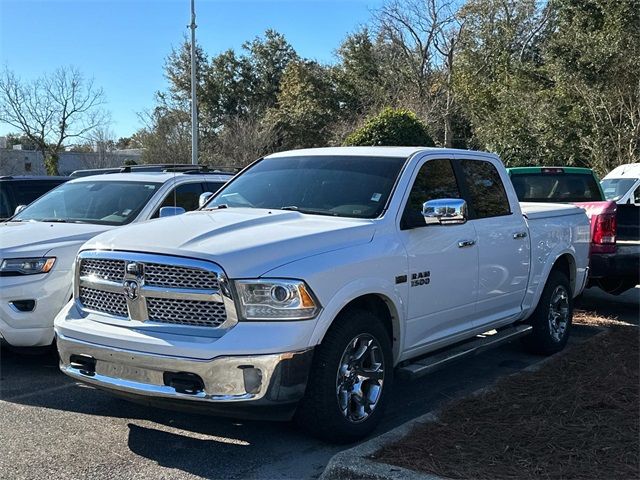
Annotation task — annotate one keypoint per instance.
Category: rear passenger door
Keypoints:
(503, 243)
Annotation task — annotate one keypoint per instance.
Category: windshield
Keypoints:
(344, 186)
(556, 187)
(101, 202)
(615, 188)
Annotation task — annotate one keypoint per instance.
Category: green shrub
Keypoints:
(391, 127)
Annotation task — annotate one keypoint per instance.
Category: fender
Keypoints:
(358, 288)
(535, 288)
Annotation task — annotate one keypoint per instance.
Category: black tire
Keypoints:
(616, 286)
(320, 412)
(547, 337)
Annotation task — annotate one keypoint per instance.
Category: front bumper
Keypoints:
(32, 328)
(230, 385)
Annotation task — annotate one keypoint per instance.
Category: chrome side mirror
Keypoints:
(171, 211)
(445, 211)
(204, 197)
(19, 208)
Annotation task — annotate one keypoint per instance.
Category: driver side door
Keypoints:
(443, 262)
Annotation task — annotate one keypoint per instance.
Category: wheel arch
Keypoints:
(566, 263)
(378, 303)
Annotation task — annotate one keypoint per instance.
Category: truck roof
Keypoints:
(152, 177)
(404, 152)
(629, 170)
(582, 170)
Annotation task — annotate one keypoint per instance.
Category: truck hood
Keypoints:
(37, 238)
(245, 242)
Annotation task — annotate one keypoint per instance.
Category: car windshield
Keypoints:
(342, 186)
(615, 188)
(556, 187)
(100, 202)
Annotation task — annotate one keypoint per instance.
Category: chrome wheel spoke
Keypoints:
(360, 378)
(559, 313)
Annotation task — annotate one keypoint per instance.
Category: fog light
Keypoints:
(23, 305)
(252, 378)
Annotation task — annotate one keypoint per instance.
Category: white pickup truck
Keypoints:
(39, 245)
(315, 276)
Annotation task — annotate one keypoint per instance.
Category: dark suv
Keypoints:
(22, 190)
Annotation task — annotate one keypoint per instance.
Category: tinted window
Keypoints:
(213, 187)
(7, 206)
(486, 191)
(26, 192)
(13, 194)
(185, 196)
(556, 187)
(434, 180)
(347, 186)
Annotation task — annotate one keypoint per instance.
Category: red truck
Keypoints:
(615, 251)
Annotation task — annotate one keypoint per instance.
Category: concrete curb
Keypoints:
(356, 463)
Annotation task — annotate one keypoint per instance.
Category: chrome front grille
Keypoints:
(172, 276)
(186, 312)
(112, 270)
(101, 301)
(154, 288)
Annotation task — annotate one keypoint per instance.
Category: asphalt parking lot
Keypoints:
(52, 428)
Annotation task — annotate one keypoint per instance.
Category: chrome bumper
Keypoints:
(261, 379)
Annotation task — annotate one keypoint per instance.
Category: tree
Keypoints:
(52, 109)
(306, 106)
(592, 58)
(425, 34)
(241, 141)
(391, 128)
(166, 136)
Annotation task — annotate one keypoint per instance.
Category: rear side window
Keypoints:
(185, 196)
(486, 191)
(556, 187)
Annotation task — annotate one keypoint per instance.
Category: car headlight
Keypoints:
(26, 266)
(275, 299)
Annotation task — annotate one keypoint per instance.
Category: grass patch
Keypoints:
(577, 417)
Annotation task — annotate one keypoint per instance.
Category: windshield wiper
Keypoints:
(217, 207)
(312, 211)
(60, 220)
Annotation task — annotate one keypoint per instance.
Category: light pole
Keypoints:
(194, 100)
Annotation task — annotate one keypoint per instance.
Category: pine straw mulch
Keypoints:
(577, 417)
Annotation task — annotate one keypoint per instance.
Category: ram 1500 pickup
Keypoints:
(314, 276)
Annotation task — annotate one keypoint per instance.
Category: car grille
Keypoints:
(112, 270)
(158, 275)
(106, 302)
(183, 292)
(186, 312)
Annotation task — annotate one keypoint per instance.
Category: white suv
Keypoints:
(39, 244)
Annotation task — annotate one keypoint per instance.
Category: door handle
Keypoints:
(466, 243)
(518, 235)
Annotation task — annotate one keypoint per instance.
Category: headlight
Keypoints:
(26, 266)
(275, 299)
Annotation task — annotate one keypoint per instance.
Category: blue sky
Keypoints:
(122, 44)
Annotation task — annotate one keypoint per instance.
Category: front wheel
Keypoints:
(350, 379)
(552, 318)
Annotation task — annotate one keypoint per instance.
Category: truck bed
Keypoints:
(533, 210)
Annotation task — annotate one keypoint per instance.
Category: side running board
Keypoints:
(425, 365)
